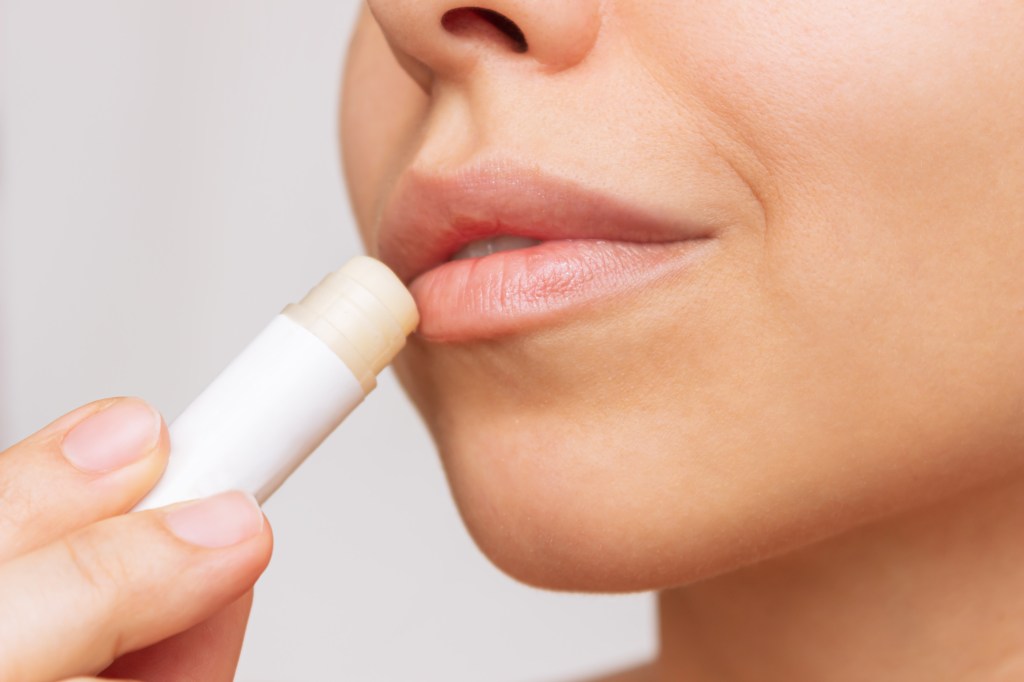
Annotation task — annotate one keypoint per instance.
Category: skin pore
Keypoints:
(810, 438)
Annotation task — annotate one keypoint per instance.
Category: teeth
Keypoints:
(485, 247)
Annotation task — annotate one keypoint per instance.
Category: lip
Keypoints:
(593, 246)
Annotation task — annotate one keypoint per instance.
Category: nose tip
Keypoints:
(560, 34)
(447, 37)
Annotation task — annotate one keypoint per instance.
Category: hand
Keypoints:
(82, 584)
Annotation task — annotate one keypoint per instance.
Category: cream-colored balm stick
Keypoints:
(290, 387)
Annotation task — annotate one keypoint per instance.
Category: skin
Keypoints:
(88, 590)
(811, 442)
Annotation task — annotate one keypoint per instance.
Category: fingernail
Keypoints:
(219, 521)
(112, 438)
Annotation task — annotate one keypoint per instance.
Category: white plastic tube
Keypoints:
(289, 388)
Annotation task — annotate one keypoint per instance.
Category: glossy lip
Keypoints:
(593, 245)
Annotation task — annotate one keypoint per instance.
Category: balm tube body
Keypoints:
(289, 388)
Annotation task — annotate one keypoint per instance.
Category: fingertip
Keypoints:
(267, 529)
(218, 521)
(231, 524)
(63, 425)
(148, 469)
(160, 442)
(123, 445)
(267, 535)
(70, 419)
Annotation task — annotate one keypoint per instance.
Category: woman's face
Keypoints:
(779, 289)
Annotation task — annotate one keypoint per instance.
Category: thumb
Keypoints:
(208, 651)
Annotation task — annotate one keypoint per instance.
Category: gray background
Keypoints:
(169, 180)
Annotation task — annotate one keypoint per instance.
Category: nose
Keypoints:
(446, 38)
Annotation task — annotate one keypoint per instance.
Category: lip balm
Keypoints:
(289, 388)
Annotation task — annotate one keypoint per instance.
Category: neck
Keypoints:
(933, 595)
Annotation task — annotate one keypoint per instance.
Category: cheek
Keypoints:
(381, 109)
(838, 95)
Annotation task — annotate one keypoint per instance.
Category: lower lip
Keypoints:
(518, 291)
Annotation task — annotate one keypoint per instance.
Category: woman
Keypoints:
(719, 299)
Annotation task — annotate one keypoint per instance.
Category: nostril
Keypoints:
(469, 21)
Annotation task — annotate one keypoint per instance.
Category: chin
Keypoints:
(588, 515)
(561, 512)
(557, 499)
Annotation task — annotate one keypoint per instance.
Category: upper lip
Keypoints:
(430, 217)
